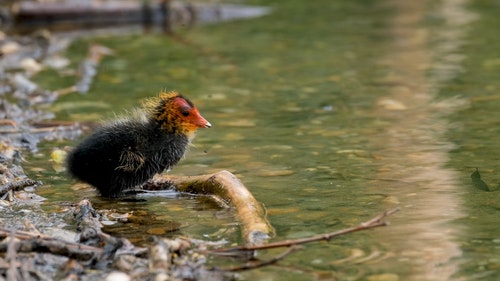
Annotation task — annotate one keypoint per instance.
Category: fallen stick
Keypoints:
(256, 229)
(29, 242)
(372, 223)
(17, 185)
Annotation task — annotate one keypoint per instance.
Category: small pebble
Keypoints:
(117, 276)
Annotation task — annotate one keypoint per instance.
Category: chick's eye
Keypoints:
(185, 113)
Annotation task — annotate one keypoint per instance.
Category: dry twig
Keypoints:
(372, 223)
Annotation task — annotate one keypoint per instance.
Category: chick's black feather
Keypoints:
(125, 154)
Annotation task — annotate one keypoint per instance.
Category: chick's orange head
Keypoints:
(177, 114)
(188, 115)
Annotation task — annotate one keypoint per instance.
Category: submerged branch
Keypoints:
(254, 265)
(256, 228)
(372, 223)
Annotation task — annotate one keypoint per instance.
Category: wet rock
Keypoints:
(118, 276)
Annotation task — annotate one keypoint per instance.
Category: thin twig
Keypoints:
(258, 264)
(372, 223)
(17, 185)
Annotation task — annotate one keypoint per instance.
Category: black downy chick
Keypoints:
(129, 152)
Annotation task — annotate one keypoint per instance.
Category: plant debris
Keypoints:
(31, 255)
(94, 255)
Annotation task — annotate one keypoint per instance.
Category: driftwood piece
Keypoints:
(29, 242)
(256, 229)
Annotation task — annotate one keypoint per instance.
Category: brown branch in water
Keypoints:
(372, 223)
(254, 265)
(255, 227)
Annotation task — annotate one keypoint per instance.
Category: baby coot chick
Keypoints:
(128, 152)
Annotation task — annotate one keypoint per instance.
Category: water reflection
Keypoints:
(413, 150)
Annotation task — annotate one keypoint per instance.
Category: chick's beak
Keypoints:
(204, 123)
(201, 122)
(208, 125)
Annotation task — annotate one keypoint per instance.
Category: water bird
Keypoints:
(129, 151)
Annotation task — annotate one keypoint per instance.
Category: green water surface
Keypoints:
(330, 112)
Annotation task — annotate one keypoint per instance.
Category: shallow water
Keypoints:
(330, 113)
